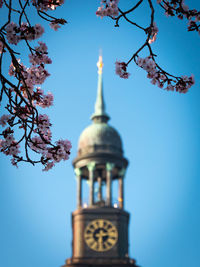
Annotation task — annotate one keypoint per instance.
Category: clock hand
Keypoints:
(100, 236)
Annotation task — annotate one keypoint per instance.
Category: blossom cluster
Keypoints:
(15, 33)
(40, 143)
(4, 119)
(40, 55)
(55, 26)
(194, 24)
(24, 95)
(175, 7)
(108, 8)
(51, 155)
(36, 74)
(43, 125)
(47, 4)
(41, 99)
(31, 76)
(9, 145)
(121, 69)
(160, 78)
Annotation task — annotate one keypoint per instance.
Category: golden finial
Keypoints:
(100, 64)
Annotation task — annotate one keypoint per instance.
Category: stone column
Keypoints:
(78, 173)
(121, 188)
(109, 167)
(91, 168)
(100, 188)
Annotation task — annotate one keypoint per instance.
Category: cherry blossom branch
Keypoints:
(181, 10)
(24, 97)
(123, 14)
(158, 75)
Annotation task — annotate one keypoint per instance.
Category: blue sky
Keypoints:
(160, 133)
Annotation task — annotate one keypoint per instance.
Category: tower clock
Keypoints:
(100, 223)
(100, 235)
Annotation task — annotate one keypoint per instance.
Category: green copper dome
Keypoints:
(99, 137)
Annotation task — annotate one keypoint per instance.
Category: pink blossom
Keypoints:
(181, 85)
(13, 150)
(8, 140)
(47, 4)
(12, 31)
(9, 146)
(60, 152)
(49, 166)
(15, 33)
(14, 162)
(40, 56)
(108, 8)
(31, 33)
(35, 75)
(38, 145)
(43, 126)
(4, 119)
(46, 101)
(39, 30)
(169, 88)
(41, 99)
(52, 155)
(38, 59)
(42, 48)
(54, 26)
(121, 69)
(184, 84)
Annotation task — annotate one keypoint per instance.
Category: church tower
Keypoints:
(100, 225)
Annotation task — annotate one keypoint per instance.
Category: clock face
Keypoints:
(100, 235)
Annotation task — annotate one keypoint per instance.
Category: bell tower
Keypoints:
(100, 224)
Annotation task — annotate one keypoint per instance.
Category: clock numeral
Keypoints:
(112, 230)
(92, 227)
(94, 245)
(113, 237)
(90, 244)
(107, 245)
(88, 236)
(100, 247)
(112, 241)
(108, 226)
(101, 223)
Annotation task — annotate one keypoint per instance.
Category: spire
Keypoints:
(99, 111)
